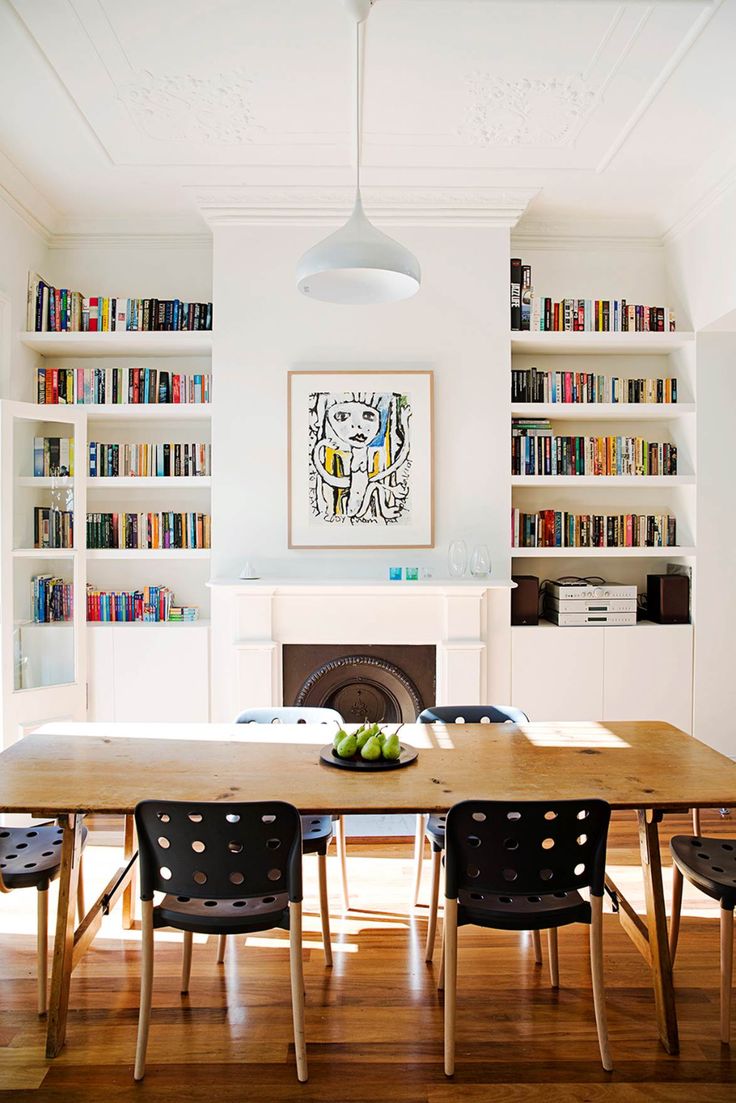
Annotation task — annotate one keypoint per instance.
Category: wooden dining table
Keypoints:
(69, 770)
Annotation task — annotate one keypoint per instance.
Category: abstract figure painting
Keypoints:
(360, 459)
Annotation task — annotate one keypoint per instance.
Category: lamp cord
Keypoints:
(358, 90)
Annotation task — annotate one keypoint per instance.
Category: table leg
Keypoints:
(61, 974)
(129, 893)
(664, 993)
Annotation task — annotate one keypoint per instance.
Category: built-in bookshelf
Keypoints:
(602, 357)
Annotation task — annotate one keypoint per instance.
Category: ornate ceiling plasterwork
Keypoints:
(525, 112)
(212, 110)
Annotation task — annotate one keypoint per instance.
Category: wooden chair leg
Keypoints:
(726, 972)
(81, 910)
(42, 951)
(596, 968)
(186, 962)
(537, 944)
(297, 988)
(441, 977)
(676, 909)
(418, 858)
(129, 893)
(433, 903)
(340, 843)
(144, 1012)
(696, 822)
(221, 944)
(554, 967)
(450, 983)
(324, 908)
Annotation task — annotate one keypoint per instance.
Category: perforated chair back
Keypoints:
(528, 847)
(219, 851)
(472, 714)
(290, 715)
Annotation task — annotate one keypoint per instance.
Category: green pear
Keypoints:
(381, 737)
(372, 750)
(362, 736)
(347, 747)
(339, 736)
(392, 748)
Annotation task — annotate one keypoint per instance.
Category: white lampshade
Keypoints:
(358, 265)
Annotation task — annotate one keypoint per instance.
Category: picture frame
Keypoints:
(360, 458)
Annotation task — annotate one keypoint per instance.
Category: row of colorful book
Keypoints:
(148, 460)
(554, 528)
(151, 604)
(52, 599)
(160, 530)
(53, 457)
(58, 309)
(536, 451)
(120, 386)
(541, 313)
(533, 385)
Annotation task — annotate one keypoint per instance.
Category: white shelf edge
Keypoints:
(603, 411)
(149, 553)
(544, 625)
(135, 411)
(44, 553)
(196, 342)
(604, 481)
(149, 482)
(676, 552)
(582, 343)
(41, 482)
(173, 624)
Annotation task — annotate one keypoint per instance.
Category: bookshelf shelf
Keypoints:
(136, 482)
(149, 411)
(202, 554)
(605, 482)
(44, 553)
(611, 344)
(675, 552)
(159, 625)
(38, 482)
(157, 343)
(604, 411)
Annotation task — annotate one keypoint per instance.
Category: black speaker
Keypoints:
(525, 599)
(668, 598)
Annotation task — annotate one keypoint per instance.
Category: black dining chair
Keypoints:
(433, 826)
(30, 857)
(709, 865)
(316, 830)
(518, 867)
(224, 869)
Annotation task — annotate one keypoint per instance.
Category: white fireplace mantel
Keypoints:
(252, 619)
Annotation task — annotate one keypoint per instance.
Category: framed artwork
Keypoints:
(360, 459)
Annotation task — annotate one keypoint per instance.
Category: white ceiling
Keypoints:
(143, 113)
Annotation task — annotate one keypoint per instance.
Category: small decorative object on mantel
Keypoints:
(360, 459)
(248, 571)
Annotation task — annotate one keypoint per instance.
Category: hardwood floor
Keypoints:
(374, 1021)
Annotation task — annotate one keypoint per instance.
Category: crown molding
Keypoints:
(574, 235)
(701, 207)
(26, 201)
(251, 205)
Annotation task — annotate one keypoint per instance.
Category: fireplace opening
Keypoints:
(387, 684)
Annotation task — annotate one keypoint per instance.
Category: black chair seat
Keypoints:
(250, 913)
(316, 834)
(30, 857)
(435, 831)
(517, 912)
(710, 864)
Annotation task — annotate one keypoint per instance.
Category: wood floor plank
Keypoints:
(373, 1021)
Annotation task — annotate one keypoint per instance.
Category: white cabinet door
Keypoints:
(648, 673)
(100, 673)
(161, 673)
(557, 673)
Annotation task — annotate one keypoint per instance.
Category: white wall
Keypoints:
(457, 326)
(21, 249)
(715, 685)
(700, 260)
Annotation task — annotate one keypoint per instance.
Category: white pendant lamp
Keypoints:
(358, 265)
